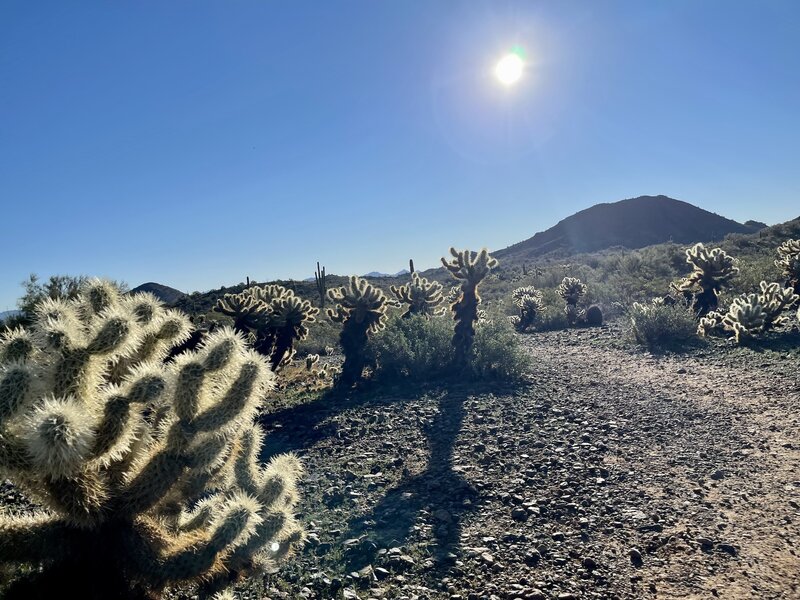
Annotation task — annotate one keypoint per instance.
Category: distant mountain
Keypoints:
(632, 223)
(379, 274)
(164, 293)
(9, 313)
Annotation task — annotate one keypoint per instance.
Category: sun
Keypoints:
(509, 69)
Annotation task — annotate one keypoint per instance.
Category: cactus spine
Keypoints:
(361, 308)
(712, 270)
(571, 290)
(273, 316)
(147, 472)
(789, 263)
(422, 297)
(470, 269)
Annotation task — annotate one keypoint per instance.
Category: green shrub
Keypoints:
(420, 348)
(658, 325)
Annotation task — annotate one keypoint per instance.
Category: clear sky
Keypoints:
(194, 143)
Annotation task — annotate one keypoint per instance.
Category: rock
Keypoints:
(519, 514)
(636, 557)
(589, 563)
(718, 474)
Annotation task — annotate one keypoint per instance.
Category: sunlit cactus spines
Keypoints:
(711, 271)
(529, 304)
(273, 316)
(421, 296)
(572, 289)
(751, 315)
(470, 269)
(146, 471)
(362, 310)
(789, 263)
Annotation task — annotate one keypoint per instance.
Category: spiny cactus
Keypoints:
(529, 304)
(789, 263)
(147, 473)
(571, 290)
(423, 297)
(361, 308)
(470, 268)
(751, 315)
(712, 270)
(273, 316)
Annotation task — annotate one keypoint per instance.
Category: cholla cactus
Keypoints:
(423, 297)
(273, 316)
(470, 268)
(751, 315)
(712, 270)
(147, 473)
(571, 290)
(529, 304)
(361, 308)
(789, 263)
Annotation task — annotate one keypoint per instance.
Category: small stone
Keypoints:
(718, 474)
(636, 556)
(589, 563)
(519, 514)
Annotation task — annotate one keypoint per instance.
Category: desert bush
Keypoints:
(470, 268)
(660, 325)
(362, 310)
(420, 350)
(146, 472)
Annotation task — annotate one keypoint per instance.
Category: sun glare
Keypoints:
(509, 70)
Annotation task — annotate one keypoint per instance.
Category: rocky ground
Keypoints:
(612, 473)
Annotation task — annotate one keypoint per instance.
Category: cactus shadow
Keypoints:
(439, 492)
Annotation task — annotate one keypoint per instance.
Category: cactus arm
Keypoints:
(36, 538)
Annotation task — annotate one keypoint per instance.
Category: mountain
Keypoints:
(164, 293)
(631, 223)
(379, 274)
(9, 313)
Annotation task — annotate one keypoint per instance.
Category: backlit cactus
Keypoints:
(422, 297)
(572, 290)
(147, 473)
(361, 308)
(529, 304)
(712, 270)
(273, 316)
(470, 269)
(789, 263)
(751, 315)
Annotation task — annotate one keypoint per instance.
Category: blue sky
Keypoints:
(195, 143)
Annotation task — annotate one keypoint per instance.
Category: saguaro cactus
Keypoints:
(712, 270)
(470, 269)
(422, 297)
(361, 308)
(147, 474)
(571, 290)
(322, 285)
(789, 263)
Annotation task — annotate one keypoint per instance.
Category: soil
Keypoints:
(613, 473)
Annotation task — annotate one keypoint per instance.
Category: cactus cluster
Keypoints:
(789, 263)
(146, 472)
(572, 290)
(529, 304)
(421, 296)
(362, 310)
(274, 318)
(711, 271)
(470, 269)
(751, 315)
